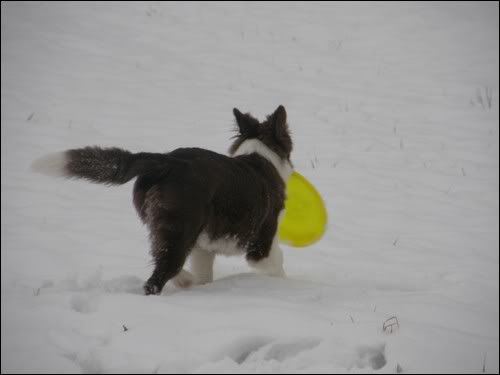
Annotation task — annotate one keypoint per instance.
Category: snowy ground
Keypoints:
(394, 113)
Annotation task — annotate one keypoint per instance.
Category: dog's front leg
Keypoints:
(271, 262)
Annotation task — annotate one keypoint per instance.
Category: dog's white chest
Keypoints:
(224, 245)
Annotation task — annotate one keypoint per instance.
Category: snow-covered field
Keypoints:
(394, 112)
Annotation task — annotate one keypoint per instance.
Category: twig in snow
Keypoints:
(479, 98)
(352, 320)
(489, 95)
(484, 362)
(314, 162)
(463, 171)
(30, 116)
(36, 292)
(390, 324)
(399, 369)
(125, 329)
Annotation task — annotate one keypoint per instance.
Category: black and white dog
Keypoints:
(196, 202)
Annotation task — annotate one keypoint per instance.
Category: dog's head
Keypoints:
(271, 138)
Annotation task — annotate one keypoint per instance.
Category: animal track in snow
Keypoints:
(282, 351)
(371, 356)
(241, 349)
(254, 352)
(267, 349)
(85, 302)
(89, 363)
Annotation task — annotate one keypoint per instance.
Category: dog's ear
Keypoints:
(279, 127)
(279, 117)
(248, 126)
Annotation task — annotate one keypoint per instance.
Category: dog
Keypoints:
(198, 203)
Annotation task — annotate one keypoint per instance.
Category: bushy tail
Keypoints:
(112, 166)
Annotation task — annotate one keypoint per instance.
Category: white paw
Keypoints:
(274, 272)
(280, 273)
(183, 279)
(201, 280)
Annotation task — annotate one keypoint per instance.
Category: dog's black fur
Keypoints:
(189, 190)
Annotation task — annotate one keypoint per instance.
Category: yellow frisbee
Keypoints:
(305, 217)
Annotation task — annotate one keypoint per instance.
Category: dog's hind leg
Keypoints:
(183, 279)
(202, 263)
(167, 265)
(170, 249)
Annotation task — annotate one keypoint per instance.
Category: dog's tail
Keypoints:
(111, 166)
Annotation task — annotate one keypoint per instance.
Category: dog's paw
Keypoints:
(151, 288)
(183, 279)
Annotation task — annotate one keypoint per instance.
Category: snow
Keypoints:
(394, 114)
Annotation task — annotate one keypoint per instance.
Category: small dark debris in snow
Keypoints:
(399, 369)
(125, 329)
(352, 320)
(47, 284)
(30, 116)
(395, 242)
(151, 11)
(463, 171)
(36, 292)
